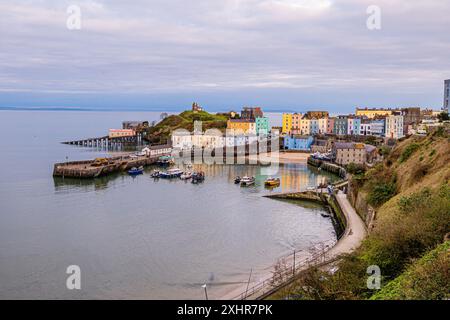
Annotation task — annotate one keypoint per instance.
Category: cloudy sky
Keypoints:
(279, 54)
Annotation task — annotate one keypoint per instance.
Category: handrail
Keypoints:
(289, 273)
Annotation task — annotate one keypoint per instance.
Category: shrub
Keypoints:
(408, 151)
(382, 192)
(354, 168)
(384, 151)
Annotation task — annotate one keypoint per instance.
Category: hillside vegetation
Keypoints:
(161, 132)
(410, 192)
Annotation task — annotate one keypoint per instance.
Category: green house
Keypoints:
(262, 125)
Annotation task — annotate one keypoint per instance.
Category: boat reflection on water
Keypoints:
(292, 177)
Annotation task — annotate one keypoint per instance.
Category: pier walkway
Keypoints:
(107, 142)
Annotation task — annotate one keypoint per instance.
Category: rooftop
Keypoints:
(242, 120)
(348, 145)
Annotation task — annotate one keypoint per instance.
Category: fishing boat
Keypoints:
(135, 171)
(171, 173)
(198, 177)
(237, 180)
(186, 176)
(272, 182)
(164, 161)
(247, 181)
(155, 174)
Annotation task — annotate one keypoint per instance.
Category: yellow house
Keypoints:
(287, 123)
(244, 125)
(372, 113)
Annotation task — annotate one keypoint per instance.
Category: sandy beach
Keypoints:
(281, 157)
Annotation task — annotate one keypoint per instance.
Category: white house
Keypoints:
(394, 127)
(323, 125)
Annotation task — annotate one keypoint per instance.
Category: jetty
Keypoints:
(94, 168)
(107, 141)
(87, 169)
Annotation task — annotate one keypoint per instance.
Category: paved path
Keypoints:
(354, 233)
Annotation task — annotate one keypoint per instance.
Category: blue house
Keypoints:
(354, 126)
(298, 142)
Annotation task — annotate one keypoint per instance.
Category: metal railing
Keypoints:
(315, 256)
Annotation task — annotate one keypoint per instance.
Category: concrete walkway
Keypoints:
(354, 233)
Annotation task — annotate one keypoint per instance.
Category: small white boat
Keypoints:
(186, 176)
(171, 173)
(247, 181)
(155, 174)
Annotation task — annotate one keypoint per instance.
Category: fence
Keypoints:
(284, 273)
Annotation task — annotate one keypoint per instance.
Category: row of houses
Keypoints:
(251, 121)
(390, 126)
(213, 139)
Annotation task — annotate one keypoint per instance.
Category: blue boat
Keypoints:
(171, 173)
(136, 171)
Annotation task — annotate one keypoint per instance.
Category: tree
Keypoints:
(443, 116)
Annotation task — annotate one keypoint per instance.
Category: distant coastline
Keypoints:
(82, 109)
(169, 110)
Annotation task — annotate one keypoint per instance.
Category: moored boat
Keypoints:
(155, 174)
(237, 180)
(186, 176)
(135, 171)
(198, 177)
(247, 181)
(171, 173)
(164, 161)
(272, 182)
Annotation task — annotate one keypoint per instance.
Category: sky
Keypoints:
(282, 55)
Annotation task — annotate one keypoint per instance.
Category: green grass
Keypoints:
(424, 279)
(185, 120)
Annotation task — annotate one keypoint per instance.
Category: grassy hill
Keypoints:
(410, 192)
(428, 278)
(185, 120)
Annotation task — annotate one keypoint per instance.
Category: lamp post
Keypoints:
(206, 291)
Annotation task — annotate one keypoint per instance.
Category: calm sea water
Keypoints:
(136, 237)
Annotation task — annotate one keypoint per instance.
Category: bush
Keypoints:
(384, 151)
(354, 168)
(409, 150)
(382, 192)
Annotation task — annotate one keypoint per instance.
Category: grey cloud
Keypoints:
(192, 46)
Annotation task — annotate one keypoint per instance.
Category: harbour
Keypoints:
(134, 236)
